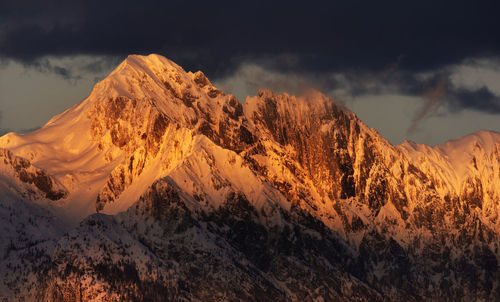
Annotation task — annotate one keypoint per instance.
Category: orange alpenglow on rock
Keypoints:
(159, 186)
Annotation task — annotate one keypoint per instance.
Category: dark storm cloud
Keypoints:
(43, 65)
(480, 99)
(72, 70)
(435, 87)
(217, 36)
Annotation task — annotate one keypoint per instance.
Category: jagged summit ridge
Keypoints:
(267, 190)
(128, 112)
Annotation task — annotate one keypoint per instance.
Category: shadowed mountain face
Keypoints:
(202, 198)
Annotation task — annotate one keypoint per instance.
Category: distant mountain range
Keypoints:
(161, 187)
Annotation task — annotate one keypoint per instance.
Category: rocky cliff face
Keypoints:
(27, 180)
(408, 210)
(293, 197)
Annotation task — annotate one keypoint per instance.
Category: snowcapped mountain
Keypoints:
(159, 186)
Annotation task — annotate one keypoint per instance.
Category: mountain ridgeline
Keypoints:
(161, 187)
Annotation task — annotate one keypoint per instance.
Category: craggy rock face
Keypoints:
(324, 156)
(135, 128)
(128, 124)
(324, 145)
(198, 250)
(28, 174)
(323, 160)
(346, 160)
(293, 197)
(134, 125)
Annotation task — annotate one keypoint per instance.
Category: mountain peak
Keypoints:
(150, 63)
(484, 138)
(141, 77)
(482, 141)
(278, 181)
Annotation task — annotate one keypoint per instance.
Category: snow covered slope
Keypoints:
(294, 197)
(127, 114)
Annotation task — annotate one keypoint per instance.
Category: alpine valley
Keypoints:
(160, 187)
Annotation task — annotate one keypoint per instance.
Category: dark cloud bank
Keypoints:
(322, 35)
(390, 41)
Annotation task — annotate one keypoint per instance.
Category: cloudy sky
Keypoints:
(426, 71)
